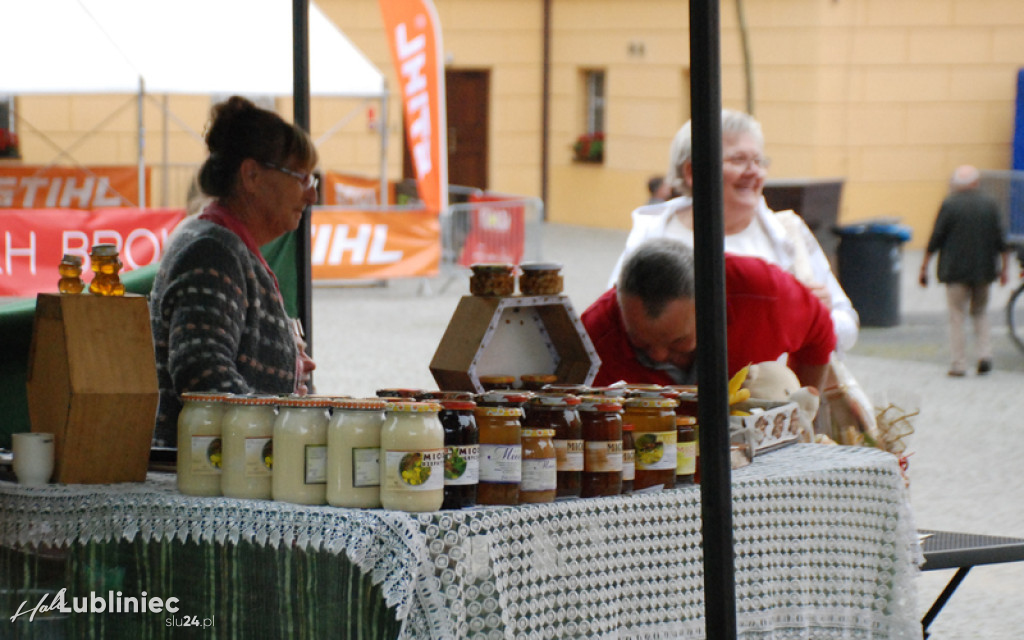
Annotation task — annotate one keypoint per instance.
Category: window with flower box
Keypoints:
(8, 138)
(589, 146)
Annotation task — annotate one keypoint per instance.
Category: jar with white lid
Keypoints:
(247, 442)
(353, 453)
(199, 443)
(300, 450)
(412, 457)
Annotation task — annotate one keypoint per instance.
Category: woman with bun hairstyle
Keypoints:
(218, 319)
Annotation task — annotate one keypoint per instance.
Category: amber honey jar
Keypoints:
(537, 381)
(540, 279)
(498, 381)
(106, 265)
(539, 476)
(686, 447)
(654, 423)
(492, 280)
(559, 412)
(601, 420)
(70, 270)
(501, 450)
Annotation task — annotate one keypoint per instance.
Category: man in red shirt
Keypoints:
(645, 330)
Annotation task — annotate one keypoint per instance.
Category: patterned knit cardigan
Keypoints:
(218, 322)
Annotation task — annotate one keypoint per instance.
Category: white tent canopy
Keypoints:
(184, 46)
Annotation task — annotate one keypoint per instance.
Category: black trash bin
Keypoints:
(870, 257)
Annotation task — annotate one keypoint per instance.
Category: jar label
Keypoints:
(365, 467)
(628, 465)
(569, 454)
(259, 457)
(316, 464)
(414, 470)
(462, 464)
(539, 475)
(206, 455)
(501, 463)
(686, 460)
(602, 456)
(655, 450)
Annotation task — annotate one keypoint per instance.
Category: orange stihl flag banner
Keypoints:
(41, 187)
(414, 32)
(350, 244)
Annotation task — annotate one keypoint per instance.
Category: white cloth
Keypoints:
(656, 221)
(825, 547)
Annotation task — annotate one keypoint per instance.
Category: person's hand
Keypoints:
(923, 278)
(821, 292)
(1004, 278)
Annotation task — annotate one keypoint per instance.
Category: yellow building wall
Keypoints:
(889, 95)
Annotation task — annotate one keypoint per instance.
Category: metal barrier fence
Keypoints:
(492, 229)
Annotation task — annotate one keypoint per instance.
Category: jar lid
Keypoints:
(437, 396)
(358, 404)
(103, 250)
(599, 403)
(628, 426)
(547, 400)
(304, 402)
(610, 392)
(204, 396)
(491, 268)
(540, 266)
(503, 396)
(651, 403)
(252, 400)
(72, 259)
(515, 412)
(413, 407)
(538, 433)
(497, 379)
(538, 377)
(398, 393)
(688, 421)
(458, 405)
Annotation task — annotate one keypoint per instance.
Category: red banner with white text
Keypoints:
(41, 187)
(32, 242)
(374, 245)
(414, 33)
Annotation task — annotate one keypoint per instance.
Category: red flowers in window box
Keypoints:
(589, 147)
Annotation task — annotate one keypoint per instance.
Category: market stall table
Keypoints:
(825, 547)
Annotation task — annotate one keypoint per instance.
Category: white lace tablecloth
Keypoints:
(824, 539)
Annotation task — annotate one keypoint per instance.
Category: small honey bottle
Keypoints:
(106, 265)
(70, 270)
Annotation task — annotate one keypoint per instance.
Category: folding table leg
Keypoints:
(940, 602)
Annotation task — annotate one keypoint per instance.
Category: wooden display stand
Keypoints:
(513, 335)
(92, 383)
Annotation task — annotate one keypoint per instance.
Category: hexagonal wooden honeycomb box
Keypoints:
(515, 335)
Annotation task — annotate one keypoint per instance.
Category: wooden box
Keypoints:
(92, 383)
(513, 335)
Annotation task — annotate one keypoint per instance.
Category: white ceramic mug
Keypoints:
(33, 457)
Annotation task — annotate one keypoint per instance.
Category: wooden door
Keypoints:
(467, 96)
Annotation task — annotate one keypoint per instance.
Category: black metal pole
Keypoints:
(713, 375)
(300, 95)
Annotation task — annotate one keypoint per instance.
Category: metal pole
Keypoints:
(712, 381)
(382, 123)
(142, 143)
(300, 91)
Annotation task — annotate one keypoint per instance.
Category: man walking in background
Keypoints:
(969, 237)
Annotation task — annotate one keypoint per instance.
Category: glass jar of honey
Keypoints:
(601, 420)
(501, 454)
(462, 453)
(497, 381)
(300, 450)
(628, 457)
(353, 452)
(412, 457)
(248, 446)
(686, 446)
(492, 280)
(70, 270)
(105, 264)
(559, 412)
(540, 467)
(654, 424)
(199, 443)
(540, 279)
